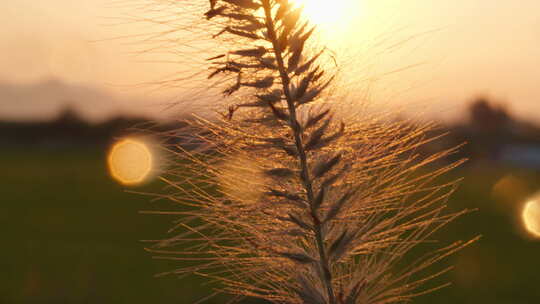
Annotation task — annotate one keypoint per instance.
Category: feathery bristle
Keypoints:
(292, 210)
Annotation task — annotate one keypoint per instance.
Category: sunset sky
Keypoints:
(466, 48)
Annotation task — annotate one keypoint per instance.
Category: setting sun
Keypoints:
(324, 12)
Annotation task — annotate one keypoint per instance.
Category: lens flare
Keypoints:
(130, 161)
(531, 217)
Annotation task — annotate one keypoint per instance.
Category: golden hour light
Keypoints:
(130, 161)
(531, 217)
(240, 178)
(325, 12)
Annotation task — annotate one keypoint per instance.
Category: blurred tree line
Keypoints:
(489, 132)
(70, 129)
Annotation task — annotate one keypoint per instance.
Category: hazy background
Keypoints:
(72, 82)
(466, 48)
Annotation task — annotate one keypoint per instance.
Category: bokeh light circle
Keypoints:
(130, 161)
(531, 217)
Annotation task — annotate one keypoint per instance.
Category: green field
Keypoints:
(72, 236)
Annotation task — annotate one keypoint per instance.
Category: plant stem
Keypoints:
(326, 277)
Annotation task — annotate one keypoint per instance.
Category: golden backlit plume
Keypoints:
(531, 217)
(241, 179)
(130, 161)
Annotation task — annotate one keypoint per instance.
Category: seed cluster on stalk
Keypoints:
(287, 201)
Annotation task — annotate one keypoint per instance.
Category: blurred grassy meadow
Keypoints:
(73, 235)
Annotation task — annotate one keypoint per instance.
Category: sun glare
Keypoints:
(531, 217)
(130, 161)
(326, 12)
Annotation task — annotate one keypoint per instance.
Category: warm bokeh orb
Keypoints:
(531, 217)
(130, 161)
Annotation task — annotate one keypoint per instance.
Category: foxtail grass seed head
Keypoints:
(285, 199)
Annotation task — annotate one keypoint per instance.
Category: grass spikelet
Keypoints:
(285, 202)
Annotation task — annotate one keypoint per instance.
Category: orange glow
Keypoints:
(130, 161)
(241, 179)
(531, 217)
(325, 12)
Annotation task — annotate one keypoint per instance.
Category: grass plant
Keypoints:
(288, 200)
